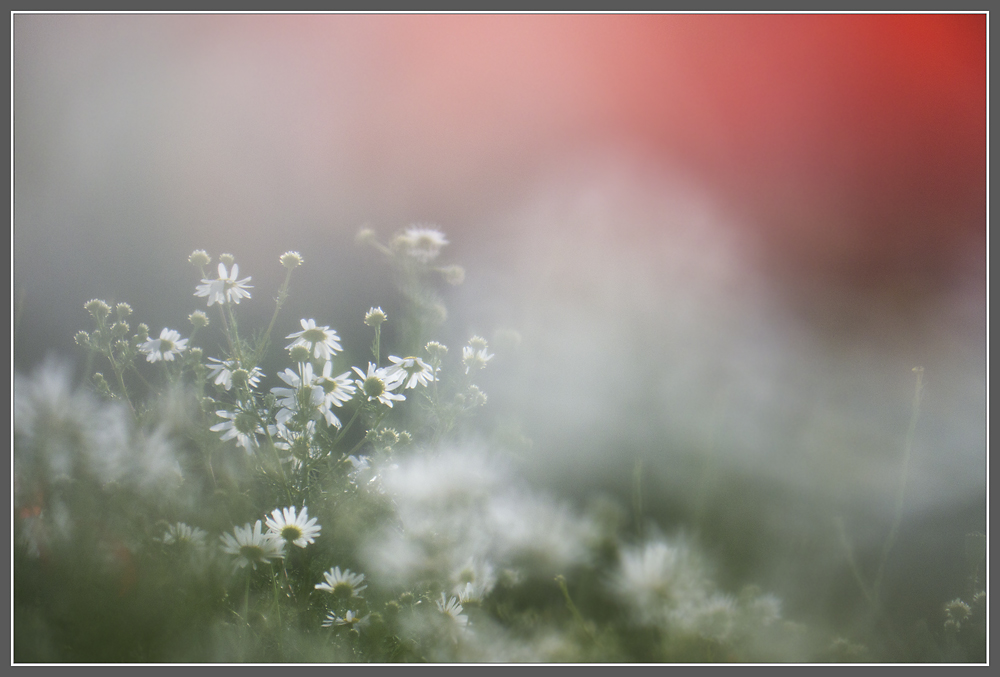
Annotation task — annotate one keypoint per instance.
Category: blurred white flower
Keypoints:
(342, 583)
(181, 534)
(450, 607)
(475, 359)
(61, 432)
(422, 243)
(474, 580)
(298, 443)
(225, 287)
(166, 347)
(321, 341)
(462, 508)
(252, 547)
(294, 529)
(662, 582)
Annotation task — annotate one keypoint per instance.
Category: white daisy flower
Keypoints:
(450, 607)
(410, 370)
(166, 347)
(294, 529)
(250, 546)
(322, 341)
(377, 385)
(342, 584)
(304, 394)
(223, 371)
(423, 244)
(336, 389)
(226, 287)
(243, 425)
(349, 619)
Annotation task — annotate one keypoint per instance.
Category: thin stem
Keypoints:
(901, 492)
(637, 495)
(280, 301)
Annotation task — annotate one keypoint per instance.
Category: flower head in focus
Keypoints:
(223, 371)
(294, 529)
(343, 584)
(377, 384)
(243, 425)
(410, 371)
(305, 395)
(226, 287)
(322, 342)
(165, 348)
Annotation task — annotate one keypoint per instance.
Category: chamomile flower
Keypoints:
(377, 384)
(343, 584)
(223, 371)
(349, 619)
(165, 348)
(226, 287)
(303, 396)
(450, 607)
(251, 546)
(336, 391)
(423, 244)
(410, 370)
(294, 529)
(243, 425)
(321, 341)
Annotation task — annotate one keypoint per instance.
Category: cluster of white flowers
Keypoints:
(250, 545)
(450, 533)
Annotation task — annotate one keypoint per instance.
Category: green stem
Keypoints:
(280, 301)
(637, 495)
(901, 492)
(561, 580)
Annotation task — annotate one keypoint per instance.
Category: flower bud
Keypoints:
(200, 258)
(97, 308)
(198, 319)
(299, 353)
(375, 316)
(291, 260)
